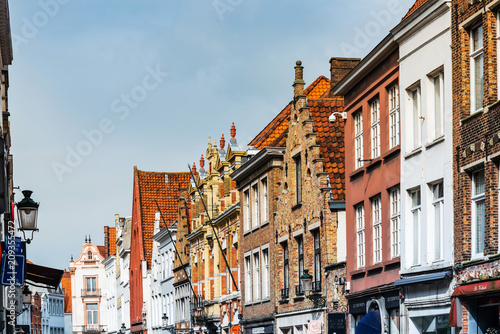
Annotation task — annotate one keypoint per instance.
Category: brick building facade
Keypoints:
(476, 141)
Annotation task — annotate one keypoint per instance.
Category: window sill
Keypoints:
(297, 206)
(435, 142)
(357, 173)
(375, 163)
(299, 297)
(392, 153)
(264, 224)
(375, 269)
(284, 301)
(416, 151)
(357, 274)
(471, 116)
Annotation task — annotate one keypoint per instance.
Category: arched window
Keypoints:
(89, 255)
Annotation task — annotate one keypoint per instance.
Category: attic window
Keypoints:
(89, 255)
(166, 178)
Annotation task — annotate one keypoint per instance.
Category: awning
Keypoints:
(477, 288)
(370, 324)
(423, 278)
(44, 275)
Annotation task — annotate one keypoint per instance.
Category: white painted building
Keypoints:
(123, 230)
(110, 294)
(88, 281)
(423, 203)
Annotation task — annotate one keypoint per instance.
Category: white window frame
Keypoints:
(477, 199)
(416, 217)
(377, 229)
(358, 139)
(414, 95)
(437, 215)
(476, 54)
(375, 118)
(395, 198)
(438, 116)
(255, 205)
(393, 93)
(266, 273)
(248, 278)
(264, 202)
(256, 290)
(360, 228)
(246, 196)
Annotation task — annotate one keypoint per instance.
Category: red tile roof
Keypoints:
(66, 286)
(274, 134)
(102, 250)
(110, 240)
(164, 189)
(416, 5)
(330, 137)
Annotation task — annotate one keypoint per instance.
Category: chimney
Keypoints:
(339, 67)
(298, 84)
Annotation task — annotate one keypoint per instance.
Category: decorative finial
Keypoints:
(71, 257)
(298, 63)
(222, 142)
(233, 131)
(194, 168)
(89, 240)
(202, 162)
(86, 240)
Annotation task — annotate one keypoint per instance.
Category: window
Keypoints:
(317, 260)
(266, 275)
(438, 99)
(246, 195)
(438, 204)
(395, 225)
(415, 213)
(248, 280)
(360, 225)
(416, 128)
(255, 205)
(89, 255)
(300, 252)
(478, 213)
(377, 230)
(393, 116)
(92, 318)
(91, 283)
(476, 69)
(358, 139)
(285, 268)
(265, 206)
(298, 179)
(256, 276)
(375, 112)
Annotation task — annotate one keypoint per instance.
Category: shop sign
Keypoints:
(391, 300)
(336, 323)
(358, 306)
(261, 330)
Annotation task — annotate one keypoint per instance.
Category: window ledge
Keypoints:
(392, 152)
(416, 151)
(297, 206)
(435, 141)
(374, 164)
(471, 116)
(283, 301)
(357, 173)
(357, 274)
(264, 224)
(246, 233)
(299, 297)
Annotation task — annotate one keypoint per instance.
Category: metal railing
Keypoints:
(92, 329)
(285, 293)
(91, 293)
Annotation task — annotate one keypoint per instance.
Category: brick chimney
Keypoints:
(339, 67)
(298, 84)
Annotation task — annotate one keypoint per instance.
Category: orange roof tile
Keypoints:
(416, 5)
(164, 189)
(66, 286)
(274, 134)
(330, 137)
(102, 250)
(110, 240)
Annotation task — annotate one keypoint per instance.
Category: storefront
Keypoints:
(298, 322)
(264, 327)
(481, 301)
(426, 302)
(384, 305)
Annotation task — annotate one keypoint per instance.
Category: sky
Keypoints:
(98, 87)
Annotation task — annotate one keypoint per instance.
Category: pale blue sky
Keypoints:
(221, 61)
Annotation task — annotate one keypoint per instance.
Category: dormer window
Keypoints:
(89, 255)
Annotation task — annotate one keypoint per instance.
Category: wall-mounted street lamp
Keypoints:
(318, 300)
(27, 213)
(165, 326)
(123, 329)
(26, 295)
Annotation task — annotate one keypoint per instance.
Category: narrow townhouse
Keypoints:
(214, 240)
(372, 186)
(123, 235)
(476, 156)
(309, 221)
(155, 196)
(109, 295)
(183, 291)
(257, 181)
(426, 189)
